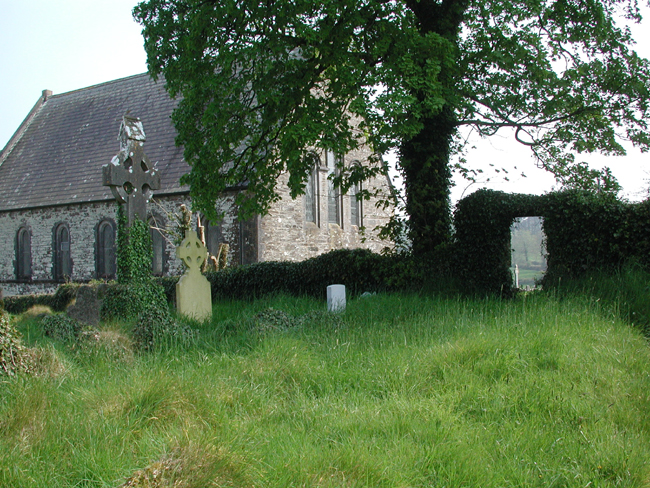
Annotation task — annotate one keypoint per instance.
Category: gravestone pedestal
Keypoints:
(193, 294)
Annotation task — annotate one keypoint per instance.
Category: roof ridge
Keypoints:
(57, 95)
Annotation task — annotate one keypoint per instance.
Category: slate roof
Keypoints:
(57, 154)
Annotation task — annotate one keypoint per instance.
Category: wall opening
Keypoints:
(528, 252)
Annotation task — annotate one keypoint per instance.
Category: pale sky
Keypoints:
(65, 45)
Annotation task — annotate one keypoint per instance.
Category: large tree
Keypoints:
(264, 82)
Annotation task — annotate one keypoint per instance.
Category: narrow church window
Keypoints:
(333, 193)
(213, 237)
(105, 264)
(157, 245)
(62, 262)
(23, 254)
(248, 241)
(356, 209)
(311, 191)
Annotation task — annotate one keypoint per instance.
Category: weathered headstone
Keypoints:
(336, 298)
(87, 306)
(193, 296)
(130, 174)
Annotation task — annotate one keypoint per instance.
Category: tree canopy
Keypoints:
(263, 83)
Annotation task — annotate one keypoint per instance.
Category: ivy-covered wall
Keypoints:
(584, 231)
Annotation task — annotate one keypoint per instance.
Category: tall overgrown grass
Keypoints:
(626, 291)
(398, 391)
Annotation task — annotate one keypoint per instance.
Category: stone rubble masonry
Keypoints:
(281, 235)
(286, 236)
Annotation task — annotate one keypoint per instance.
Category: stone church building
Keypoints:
(58, 221)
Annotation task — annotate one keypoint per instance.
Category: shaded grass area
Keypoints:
(400, 390)
(625, 292)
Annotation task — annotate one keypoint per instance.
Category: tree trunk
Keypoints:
(427, 178)
(425, 157)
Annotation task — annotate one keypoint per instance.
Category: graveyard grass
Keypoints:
(398, 391)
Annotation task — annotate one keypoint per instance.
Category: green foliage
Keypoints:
(61, 327)
(588, 231)
(155, 326)
(563, 76)
(134, 252)
(483, 220)
(128, 301)
(135, 290)
(58, 302)
(360, 270)
(14, 357)
(168, 284)
(585, 232)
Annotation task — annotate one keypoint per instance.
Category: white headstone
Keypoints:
(336, 298)
(516, 276)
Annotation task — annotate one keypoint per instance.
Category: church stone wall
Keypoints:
(287, 236)
(281, 235)
(82, 221)
(41, 223)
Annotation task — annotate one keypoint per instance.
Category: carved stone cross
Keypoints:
(192, 252)
(130, 175)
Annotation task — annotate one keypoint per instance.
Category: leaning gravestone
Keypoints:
(193, 296)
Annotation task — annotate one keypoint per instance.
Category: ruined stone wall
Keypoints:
(285, 235)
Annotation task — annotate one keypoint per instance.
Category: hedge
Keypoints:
(584, 232)
(58, 301)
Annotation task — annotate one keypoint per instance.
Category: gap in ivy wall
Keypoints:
(528, 252)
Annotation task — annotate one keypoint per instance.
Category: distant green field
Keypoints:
(527, 277)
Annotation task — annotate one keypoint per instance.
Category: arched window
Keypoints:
(311, 190)
(356, 202)
(333, 191)
(248, 234)
(356, 208)
(105, 250)
(23, 254)
(62, 261)
(157, 245)
(213, 237)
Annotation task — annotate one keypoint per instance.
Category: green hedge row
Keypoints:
(360, 270)
(584, 231)
(57, 302)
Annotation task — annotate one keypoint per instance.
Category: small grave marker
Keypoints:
(336, 298)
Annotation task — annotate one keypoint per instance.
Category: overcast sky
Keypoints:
(70, 44)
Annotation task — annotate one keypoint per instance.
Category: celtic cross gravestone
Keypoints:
(130, 174)
(193, 296)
